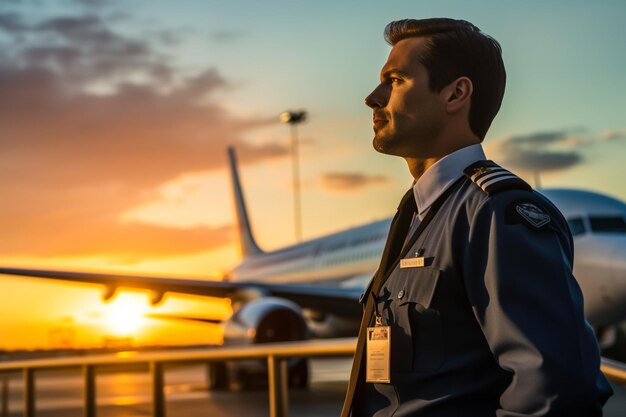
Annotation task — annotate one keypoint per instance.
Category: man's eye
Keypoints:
(394, 80)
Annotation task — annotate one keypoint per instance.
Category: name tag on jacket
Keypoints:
(412, 262)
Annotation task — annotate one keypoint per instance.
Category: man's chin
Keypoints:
(383, 144)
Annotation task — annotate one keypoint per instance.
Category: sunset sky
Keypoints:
(115, 117)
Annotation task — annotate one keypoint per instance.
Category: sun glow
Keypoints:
(124, 316)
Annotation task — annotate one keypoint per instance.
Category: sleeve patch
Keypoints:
(530, 214)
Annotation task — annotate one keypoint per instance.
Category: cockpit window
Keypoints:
(608, 224)
(576, 225)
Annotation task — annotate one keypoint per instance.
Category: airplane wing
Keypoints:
(338, 301)
(176, 317)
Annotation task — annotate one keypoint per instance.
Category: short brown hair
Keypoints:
(458, 48)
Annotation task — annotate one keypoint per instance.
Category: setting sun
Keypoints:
(124, 316)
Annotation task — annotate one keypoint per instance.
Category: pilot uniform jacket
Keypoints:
(492, 324)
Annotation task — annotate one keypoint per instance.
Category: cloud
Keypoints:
(135, 135)
(132, 242)
(611, 134)
(548, 151)
(12, 23)
(82, 48)
(91, 122)
(84, 220)
(349, 181)
(542, 160)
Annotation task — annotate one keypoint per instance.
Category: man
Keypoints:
(474, 310)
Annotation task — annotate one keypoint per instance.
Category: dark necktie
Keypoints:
(397, 233)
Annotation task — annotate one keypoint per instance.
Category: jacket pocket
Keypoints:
(417, 333)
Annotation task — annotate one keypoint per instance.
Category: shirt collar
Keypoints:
(442, 174)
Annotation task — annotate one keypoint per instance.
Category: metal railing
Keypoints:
(614, 371)
(276, 355)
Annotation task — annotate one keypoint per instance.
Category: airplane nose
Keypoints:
(600, 268)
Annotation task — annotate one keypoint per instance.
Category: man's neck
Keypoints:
(418, 166)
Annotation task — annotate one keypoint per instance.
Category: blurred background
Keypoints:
(115, 117)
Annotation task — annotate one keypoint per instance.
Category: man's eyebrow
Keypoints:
(393, 71)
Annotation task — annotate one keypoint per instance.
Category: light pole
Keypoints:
(294, 118)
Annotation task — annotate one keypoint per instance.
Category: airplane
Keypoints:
(310, 289)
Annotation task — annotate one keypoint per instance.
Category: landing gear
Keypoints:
(612, 342)
(217, 376)
(223, 376)
(299, 374)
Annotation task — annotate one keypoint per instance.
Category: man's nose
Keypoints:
(376, 99)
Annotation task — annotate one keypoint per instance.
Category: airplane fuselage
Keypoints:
(350, 257)
(333, 260)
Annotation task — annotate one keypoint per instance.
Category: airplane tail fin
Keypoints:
(246, 239)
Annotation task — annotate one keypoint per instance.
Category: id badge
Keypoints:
(378, 354)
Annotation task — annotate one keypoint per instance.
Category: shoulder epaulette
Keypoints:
(492, 178)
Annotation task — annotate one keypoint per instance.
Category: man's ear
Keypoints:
(458, 94)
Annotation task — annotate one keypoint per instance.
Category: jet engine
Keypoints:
(262, 320)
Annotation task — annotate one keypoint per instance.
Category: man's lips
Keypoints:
(379, 121)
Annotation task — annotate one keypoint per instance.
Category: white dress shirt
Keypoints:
(442, 174)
